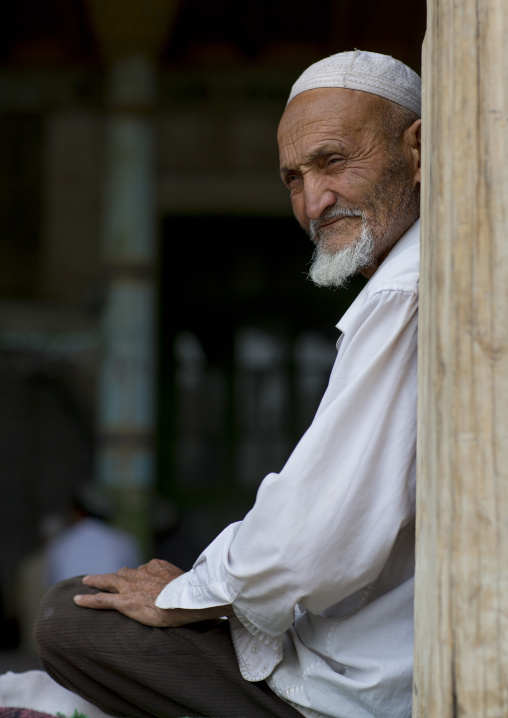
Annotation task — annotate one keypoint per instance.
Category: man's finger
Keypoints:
(97, 600)
(104, 582)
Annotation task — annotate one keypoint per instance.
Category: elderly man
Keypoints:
(317, 581)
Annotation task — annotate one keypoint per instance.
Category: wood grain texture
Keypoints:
(461, 631)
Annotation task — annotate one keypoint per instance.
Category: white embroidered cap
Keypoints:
(367, 71)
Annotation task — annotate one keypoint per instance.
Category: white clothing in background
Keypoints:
(37, 691)
(90, 546)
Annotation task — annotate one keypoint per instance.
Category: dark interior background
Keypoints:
(245, 342)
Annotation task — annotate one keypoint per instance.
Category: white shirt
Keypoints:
(90, 546)
(320, 571)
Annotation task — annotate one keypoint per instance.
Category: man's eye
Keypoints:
(290, 179)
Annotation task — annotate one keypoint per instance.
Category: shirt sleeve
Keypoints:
(324, 526)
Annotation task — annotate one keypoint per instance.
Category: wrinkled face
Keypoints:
(344, 178)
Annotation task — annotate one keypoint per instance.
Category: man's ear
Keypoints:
(413, 145)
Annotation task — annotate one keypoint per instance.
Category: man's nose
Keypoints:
(318, 196)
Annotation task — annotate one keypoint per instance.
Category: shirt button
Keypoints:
(255, 648)
(265, 667)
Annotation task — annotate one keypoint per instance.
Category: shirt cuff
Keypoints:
(208, 583)
(258, 654)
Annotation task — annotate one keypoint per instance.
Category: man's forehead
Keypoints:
(327, 108)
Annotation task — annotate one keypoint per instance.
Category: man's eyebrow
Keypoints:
(323, 151)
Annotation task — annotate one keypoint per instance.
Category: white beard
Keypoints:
(333, 269)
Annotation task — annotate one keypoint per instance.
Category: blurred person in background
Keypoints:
(89, 544)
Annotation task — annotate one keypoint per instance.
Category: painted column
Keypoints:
(125, 458)
(130, 33)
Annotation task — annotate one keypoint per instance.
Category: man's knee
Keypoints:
(58, 615)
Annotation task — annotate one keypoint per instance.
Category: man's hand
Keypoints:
(132, 591)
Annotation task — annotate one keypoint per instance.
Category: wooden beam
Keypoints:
(461, 654)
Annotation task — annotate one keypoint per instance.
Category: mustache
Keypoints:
(329, 215)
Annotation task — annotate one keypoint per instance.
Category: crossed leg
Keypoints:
(128, 669)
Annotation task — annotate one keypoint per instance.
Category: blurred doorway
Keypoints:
(246, 346)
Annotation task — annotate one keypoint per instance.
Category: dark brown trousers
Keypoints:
(127, 669)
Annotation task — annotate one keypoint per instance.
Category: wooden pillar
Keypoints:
(461, 654)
